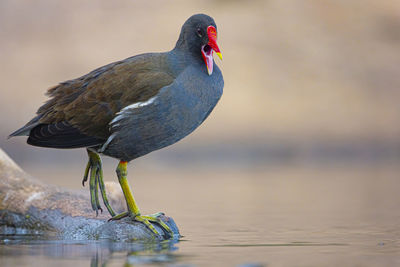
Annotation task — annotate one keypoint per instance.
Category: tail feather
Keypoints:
(56, 135)
(25, 130)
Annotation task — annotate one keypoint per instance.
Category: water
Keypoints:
(292, 216)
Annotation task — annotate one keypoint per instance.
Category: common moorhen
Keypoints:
(129, 108)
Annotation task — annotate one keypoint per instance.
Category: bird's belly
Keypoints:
(159, 126)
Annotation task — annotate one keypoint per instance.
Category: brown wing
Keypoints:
(90, 102)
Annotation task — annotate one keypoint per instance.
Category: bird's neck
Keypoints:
(180, 58)
(190, 49)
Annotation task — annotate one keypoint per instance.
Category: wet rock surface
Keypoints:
(28, 206)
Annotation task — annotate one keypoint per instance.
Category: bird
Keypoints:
(132, 107)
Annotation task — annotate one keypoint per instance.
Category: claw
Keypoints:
(96, 182)
(146, 220)
(155, 218)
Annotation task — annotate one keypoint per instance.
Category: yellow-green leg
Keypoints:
(94, 167)
(133, 210)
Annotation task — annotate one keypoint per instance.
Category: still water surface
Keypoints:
(292, 216)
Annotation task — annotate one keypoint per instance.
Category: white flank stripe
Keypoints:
(140, 104)
(121, 114)
(107, 142)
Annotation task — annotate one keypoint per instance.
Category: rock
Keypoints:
(28, 206)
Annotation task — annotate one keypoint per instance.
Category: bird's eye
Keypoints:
(199, 33)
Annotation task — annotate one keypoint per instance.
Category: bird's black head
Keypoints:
(199, 37)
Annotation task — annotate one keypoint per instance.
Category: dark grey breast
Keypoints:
(176, 111)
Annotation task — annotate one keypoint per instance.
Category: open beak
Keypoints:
(208, 49)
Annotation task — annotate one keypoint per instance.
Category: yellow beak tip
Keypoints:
(219, 55)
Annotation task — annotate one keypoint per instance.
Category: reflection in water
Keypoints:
(101, 252)
(98, 252)
(299, 216)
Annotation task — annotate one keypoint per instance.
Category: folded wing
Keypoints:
(79, 111)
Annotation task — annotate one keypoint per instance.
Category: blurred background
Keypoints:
(304, 80)
(310, 114)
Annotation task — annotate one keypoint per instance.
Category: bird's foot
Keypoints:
(147, 220)
(96, 182)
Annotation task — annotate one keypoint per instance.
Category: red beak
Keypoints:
(207, 53)
(212, 40)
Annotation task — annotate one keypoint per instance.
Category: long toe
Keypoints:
(146, 221)
(86, 174)
(119, 216)
(102, 188)
(155, 218)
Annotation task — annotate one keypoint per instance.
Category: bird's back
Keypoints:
(79, 110)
